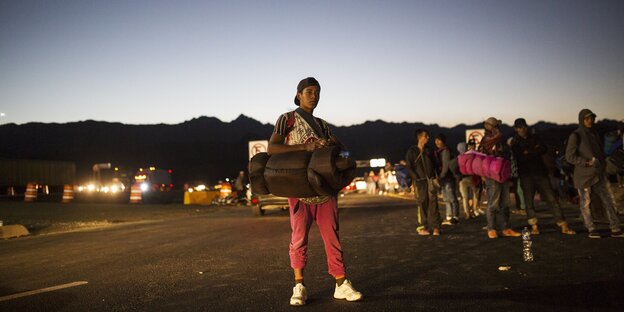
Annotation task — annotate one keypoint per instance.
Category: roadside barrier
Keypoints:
(135, 193)
(31, 192)
(225, 190)
(68, 194)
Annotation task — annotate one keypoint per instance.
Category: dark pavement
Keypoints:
(181, 258)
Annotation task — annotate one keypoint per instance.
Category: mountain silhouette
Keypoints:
(207, 149)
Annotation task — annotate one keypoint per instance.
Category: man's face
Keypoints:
(439, 143)
(588, 122)
(309, 97)
(423, 138)
(521, 131)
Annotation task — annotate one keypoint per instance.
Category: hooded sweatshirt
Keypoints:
(583, 145)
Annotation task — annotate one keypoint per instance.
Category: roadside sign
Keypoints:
(377, 162)
(256, 147)
(362, 163)
(475, 134)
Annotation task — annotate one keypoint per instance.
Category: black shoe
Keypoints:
(594, 234)
(454, 221)
(617, 234)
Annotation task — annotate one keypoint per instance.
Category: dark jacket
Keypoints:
(583, 145)
(442, 163)
(420, 165)
(528, 155)
(492, 144)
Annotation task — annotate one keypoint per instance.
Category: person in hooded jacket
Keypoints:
(584, 151)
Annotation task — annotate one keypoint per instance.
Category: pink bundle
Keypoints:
(475, 163)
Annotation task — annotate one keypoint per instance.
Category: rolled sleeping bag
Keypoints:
(334, 169)
(257, 163)
(320, 186)
(485, 165)
(465, 163)
(469, 164)
(477, 165)
(286, 175)
(500, 169)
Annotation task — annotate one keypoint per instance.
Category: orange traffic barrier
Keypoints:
(31, 192)
(68, 193)
(135, 193)
(226, 190)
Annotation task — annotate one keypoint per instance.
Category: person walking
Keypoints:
(371, 183)
(528, 150)
(447, 180)
(382, 181)
(498, 193)
(584, 151)
(302, 131)
(420, 166)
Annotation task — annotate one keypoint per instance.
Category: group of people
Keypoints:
(430, 171)
(436, 170)
(389, 179)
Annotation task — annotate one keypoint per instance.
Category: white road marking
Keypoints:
(42, 290)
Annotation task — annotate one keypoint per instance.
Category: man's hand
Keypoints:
(312, 146)
(591, 162)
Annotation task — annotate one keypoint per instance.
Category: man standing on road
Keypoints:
(447, 180)
(528, 150)
(498, 193)
(301, 131)
(426, 186)
(585, 152)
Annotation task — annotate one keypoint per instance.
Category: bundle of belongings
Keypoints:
(475, 163)
(323, 172)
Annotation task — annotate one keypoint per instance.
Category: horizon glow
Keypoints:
(435, 62)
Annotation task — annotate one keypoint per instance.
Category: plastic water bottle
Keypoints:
(527, 252)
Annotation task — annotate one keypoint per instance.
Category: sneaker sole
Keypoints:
(352, 300)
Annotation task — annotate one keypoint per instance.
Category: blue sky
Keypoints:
(445, 62)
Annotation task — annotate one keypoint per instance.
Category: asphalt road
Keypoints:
(224, 259)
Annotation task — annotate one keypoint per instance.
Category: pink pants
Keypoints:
(326, 216)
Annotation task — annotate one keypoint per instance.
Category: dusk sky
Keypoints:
(445, 62)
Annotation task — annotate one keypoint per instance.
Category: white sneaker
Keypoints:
(299, 295)
(346, 291)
